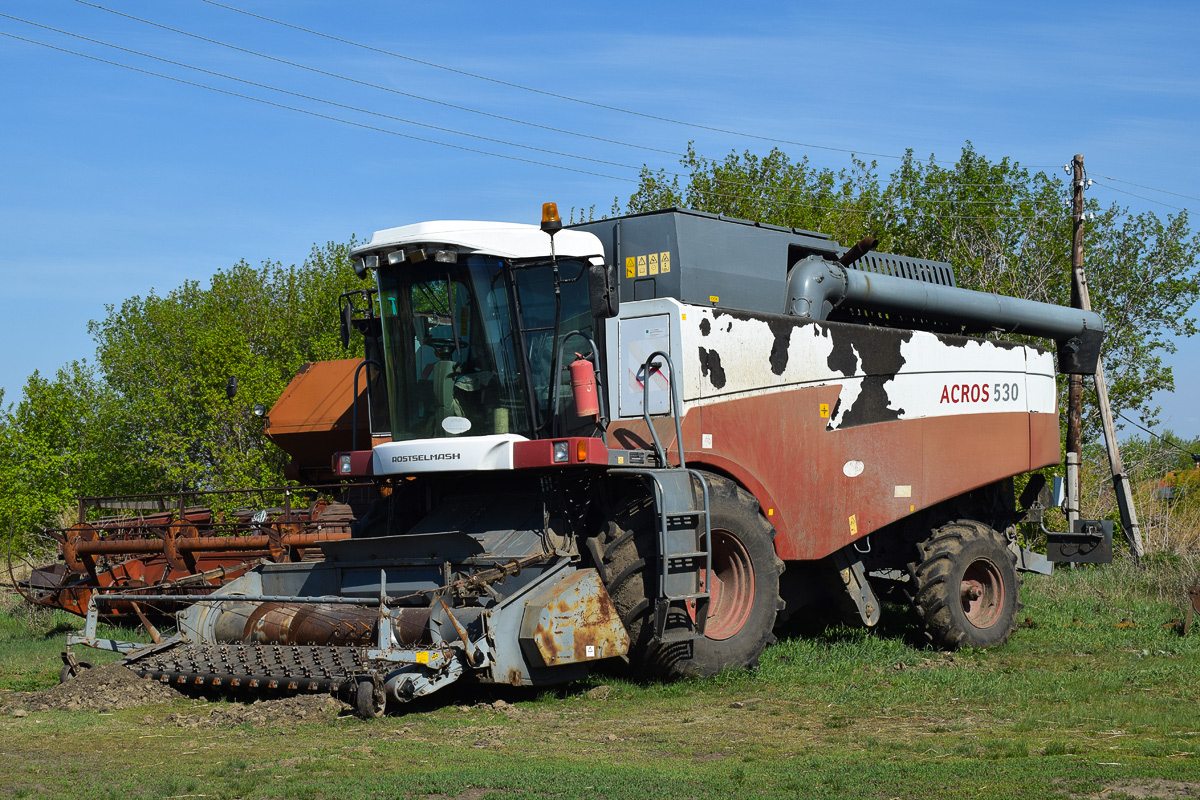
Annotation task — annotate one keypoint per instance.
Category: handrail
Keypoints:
(674, 393)
(354, 404)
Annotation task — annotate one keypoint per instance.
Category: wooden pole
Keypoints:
(1075, 382)
(1080, 298)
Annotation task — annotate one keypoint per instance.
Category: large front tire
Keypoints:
(744, 585)
(967, 587)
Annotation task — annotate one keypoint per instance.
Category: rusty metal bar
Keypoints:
(213, 543)
(246, 598)
(224, 492)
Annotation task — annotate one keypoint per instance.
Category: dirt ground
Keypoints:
(115, 688)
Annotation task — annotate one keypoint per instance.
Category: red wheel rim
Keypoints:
(730, 586)
(982, 593)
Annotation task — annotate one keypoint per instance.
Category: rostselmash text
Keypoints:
(426, 457)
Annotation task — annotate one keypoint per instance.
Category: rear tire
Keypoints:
(744, 585)
(966, 587)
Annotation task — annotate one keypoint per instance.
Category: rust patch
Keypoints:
(574, 621)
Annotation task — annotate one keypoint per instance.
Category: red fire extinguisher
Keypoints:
(583, 386)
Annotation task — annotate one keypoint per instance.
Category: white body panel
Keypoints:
(722, 356)
(467, 454)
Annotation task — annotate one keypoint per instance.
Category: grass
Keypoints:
(31, 639)
(1095, 693)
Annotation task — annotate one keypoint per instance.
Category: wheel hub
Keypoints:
(982, 593)
(730, 586)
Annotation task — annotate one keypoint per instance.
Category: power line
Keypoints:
(556, 95)
(326, 102)
(711, 194)
(1138, 196)
(446, 104)
(708, 193)
(314, 113)
(1164, 440)
(383, 88)
(1151, 188)
(769, 199)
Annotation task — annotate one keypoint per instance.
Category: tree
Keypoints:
(1003, 228)
(170, 360)
(151, 414)
(67, 437)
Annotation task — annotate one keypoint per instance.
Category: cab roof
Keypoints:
(504, 239)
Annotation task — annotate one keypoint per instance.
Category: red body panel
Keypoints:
(824, 488)
(540, 452)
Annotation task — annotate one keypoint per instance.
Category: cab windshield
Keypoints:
(469, 345)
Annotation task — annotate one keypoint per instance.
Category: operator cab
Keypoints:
(472, 316)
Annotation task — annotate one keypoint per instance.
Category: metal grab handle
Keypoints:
(354, 405)
(658, 448)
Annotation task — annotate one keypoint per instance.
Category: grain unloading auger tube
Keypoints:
(608, 441)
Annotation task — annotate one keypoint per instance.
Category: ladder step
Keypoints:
(695, 554)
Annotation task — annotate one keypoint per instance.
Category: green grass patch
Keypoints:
(1096, 692)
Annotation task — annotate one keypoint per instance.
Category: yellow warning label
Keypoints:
(825, 410)
(712, 298)
(422, 656)
(629, 266)
(854, 525)
(654, 263)
(664, 262)
(641, 266)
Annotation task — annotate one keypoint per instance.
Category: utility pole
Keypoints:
(1081, 299)
(1075, 382)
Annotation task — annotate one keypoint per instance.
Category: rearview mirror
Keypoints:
(603, 290)
(346, 316)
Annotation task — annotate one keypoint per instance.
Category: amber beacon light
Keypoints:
(551, 222)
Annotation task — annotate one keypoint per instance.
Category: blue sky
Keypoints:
(114, 182)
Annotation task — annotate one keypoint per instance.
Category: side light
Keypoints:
(364, 263)
(561, 454)
(581, 450)
(344, 464)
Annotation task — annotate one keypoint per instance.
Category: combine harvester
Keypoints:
(649, 438)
